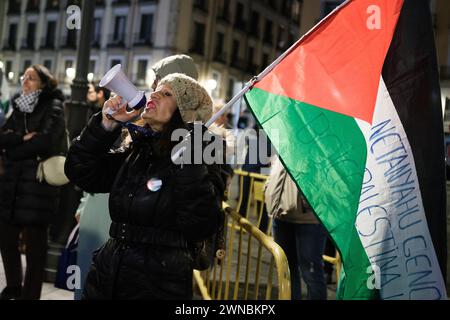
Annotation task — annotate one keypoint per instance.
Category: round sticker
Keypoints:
(154, 184)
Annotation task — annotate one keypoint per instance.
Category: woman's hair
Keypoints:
(49, 83)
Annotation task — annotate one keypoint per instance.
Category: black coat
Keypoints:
(148, 256)
(23, 199)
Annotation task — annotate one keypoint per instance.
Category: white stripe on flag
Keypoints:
(391, 220)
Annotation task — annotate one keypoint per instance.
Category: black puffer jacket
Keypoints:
(148, 256)
(23, 199)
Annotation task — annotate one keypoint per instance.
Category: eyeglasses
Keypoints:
(26, 77)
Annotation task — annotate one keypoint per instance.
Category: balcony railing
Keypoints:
(47, 43)
(9, 44)
(139, 40)
(27, 44)
(116, 40)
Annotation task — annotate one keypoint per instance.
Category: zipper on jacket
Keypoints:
(25, 122)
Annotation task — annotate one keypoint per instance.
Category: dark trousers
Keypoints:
(36, 252)
(303, 245)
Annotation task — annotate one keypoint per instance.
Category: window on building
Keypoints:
(119, 29)
(14, 6)
(50, 37)
(12, 35)
(145, 32)
(48, 64)
(30, 35)
(224, 9)
(95, 41)
(254, 24)
(71, 40)
(296, 11)
(8, 67)
(92, 63)
(268, 35)
(265, 60)
(230, 88)
(218, 51)
(251, 65)
(199, 38)
(52, 4)
(201, 4)
(141, 71)
(286, 7)
(68, 64)
(281, 42)
(239, 22)
(26, 65)
(114, 62)
(235, 51)
(329, 6)
(33, 5)
(215, 75)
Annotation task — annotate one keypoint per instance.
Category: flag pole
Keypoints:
(263, 73)
(269, 68)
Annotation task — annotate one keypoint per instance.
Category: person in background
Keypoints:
(96, 97)
(35, 130)
(93, 212)
(257, 159)
(298, 232)
(179, 63)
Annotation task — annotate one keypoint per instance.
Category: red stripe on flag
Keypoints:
(338, 66)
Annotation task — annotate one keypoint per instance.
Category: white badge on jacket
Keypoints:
(154, 184)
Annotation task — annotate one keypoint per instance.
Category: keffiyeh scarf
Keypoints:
(27, 103)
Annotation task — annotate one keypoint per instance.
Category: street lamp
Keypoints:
(70, 73)
(1, 65)
(210, 85)
(90, 76)
(10, 75)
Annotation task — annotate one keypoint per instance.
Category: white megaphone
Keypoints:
(115, 80)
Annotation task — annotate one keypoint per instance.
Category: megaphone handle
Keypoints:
(108, 111)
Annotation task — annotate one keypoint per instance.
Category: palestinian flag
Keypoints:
(354, 113)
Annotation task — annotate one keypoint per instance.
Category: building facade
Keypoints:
(230, 40)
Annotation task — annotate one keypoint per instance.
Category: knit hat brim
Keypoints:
(193, 100)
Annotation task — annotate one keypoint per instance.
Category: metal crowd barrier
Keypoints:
(256, 201)
(247, 270)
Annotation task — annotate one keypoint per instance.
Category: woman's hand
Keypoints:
(28, 136)
(119, 112)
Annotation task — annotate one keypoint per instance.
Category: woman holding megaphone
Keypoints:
(156, 207)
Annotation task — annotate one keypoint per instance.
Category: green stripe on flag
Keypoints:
(325, 153)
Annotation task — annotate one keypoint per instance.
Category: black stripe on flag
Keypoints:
(411, 75)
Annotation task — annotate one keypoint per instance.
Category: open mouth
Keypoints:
(150, 105)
